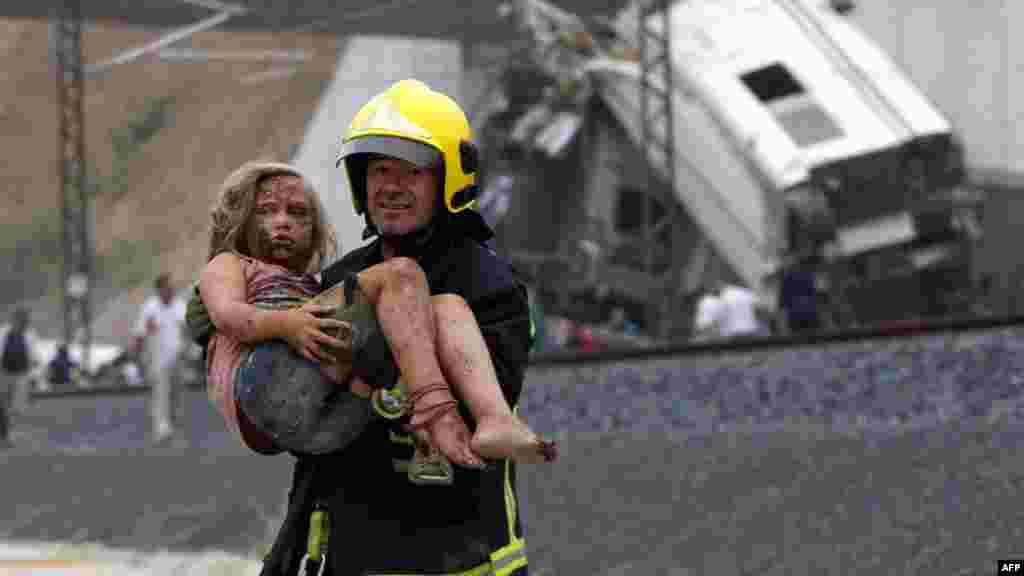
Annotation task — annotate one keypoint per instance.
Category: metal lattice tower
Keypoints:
(78, 253)
(657, 120)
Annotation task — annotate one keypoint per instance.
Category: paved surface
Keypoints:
(803, 499)
(82, 470)
(943, 502)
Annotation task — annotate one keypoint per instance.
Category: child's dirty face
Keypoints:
(281, 228)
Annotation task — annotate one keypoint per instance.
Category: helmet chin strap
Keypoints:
(468, 223)
(370, 230)
(406, 244)
(411, 243)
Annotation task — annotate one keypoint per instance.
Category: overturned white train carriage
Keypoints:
(795, 134)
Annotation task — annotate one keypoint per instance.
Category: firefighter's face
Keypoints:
(401, 197)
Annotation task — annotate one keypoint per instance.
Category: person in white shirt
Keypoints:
(707, 324)
(740, 307)
(728, 311)
(161, 340)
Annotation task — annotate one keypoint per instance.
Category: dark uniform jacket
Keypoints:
(380, 523)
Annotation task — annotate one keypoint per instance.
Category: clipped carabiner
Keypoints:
(315, 561)
(310, 567)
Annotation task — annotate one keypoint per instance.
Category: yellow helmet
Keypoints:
(412, 122)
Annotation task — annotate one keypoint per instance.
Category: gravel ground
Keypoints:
(42, 558)
(703, 465)
(914, 382)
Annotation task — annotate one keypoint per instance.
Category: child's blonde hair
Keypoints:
(236, 201)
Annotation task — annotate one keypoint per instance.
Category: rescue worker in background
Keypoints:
(411, 163)
(799, 298)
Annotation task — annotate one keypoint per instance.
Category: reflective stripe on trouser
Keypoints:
(503, 562)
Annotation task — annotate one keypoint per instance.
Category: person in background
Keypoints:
(741, 309)
(160, 339)
(62, 370)
(620, 321)
(798, 298)
(20, 354)
(708, 318)
(728, 311)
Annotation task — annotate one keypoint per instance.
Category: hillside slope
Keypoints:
(160, 138)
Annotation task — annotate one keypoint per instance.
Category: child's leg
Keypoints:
(397, 289)
(466, 361)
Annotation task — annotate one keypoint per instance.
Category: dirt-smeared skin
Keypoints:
(281, 225)
(499, 433)
(398, 290)
(465, 360)
(343, 356)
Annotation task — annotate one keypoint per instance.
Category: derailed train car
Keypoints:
(860, 165)
(796, 138)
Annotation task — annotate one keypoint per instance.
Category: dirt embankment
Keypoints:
(160, 137)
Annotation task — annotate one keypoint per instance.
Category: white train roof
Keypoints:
(794, 83)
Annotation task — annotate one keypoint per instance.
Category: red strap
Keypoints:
(422, 416)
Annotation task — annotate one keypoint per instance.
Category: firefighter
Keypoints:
(411, 166)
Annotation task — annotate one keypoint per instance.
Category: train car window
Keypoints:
(803, 119)
(807, 123)
(772, 83)
(629, 213)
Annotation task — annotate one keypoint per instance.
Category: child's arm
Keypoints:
(222, 288)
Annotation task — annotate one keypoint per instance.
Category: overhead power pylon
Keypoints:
(77, 264)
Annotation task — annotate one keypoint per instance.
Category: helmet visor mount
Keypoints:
(417, 153)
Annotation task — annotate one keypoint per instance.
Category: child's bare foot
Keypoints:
(448, 433)
(451, 436)
(506, 436)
